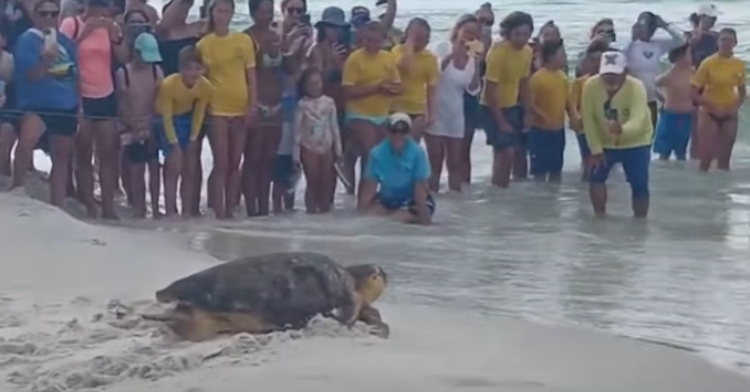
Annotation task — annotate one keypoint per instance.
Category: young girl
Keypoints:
(719, 87)
(317, 140)
(229, 58)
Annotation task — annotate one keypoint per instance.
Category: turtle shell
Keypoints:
(286, 289)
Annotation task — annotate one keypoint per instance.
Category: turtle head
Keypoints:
(369, 281)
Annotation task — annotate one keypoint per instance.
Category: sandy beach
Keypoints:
(71, 294)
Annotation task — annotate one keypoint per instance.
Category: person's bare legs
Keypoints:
(469, 130)
(124, 170)
(726, 136)
(7, 142)
(436, 156)
(108, 148)
(327, 180)
(188, 177)
(502, 165)
(454, 162)
(368, 136)
(84, 168)
(520, 163)
(270, 139)
(598, 196)
(172, 172)
(694, 142)
(197, 179)
(250, 170)
(31, 128)
(310, 165)
(218, 137)
(707, 129)
(137, 172)
(348, 140)
(418, 128)
(237, 138)
(61, 151)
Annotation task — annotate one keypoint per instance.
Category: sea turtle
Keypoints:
(272, 292)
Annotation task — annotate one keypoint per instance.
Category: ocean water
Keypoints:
(534, 251)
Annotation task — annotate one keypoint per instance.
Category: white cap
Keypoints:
(612, 63)
(709, 10)
(396, 118)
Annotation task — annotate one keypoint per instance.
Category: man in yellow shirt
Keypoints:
(618, 128)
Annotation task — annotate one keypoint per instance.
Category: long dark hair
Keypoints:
(414, 22)
(463, 20)
(211, 23)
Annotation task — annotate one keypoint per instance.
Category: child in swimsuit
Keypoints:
(317, 141)
(136, 85)
(676, 117)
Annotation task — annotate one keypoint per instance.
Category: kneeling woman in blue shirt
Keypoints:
(395, 180)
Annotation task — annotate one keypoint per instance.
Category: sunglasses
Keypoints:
(49, 14)
(295, 10)
(399, 128)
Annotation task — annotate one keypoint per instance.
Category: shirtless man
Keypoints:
(676, 117)
(137, 85)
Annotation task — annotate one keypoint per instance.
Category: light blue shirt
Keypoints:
(397, 174)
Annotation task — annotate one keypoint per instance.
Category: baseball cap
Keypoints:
(400, 122)
(709, 10)
(147, 46)
(612, 63)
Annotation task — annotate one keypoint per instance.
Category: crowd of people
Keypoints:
(111, 86)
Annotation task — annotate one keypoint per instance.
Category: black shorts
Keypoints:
(100, 109)
(502, 140)
(141, 152)
(57, 122)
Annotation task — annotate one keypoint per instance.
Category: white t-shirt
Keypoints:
(453, 83)
(644, 58)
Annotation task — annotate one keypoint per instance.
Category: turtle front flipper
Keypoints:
(371, 316)
(348, 312)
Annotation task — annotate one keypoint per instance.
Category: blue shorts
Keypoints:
(183, 124)
(546, 149)
(502, 140)
(673, 133)
(409, 205)
(283, 170)
(583, 145)
(635, 162)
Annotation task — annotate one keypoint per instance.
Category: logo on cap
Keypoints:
(610, 59)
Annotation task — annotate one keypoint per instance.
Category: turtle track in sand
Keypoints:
(81, 345)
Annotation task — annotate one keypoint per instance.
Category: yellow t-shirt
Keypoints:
(719, 77)
(506, 67)
(175, 98)
(227, 60)
(549, 93)
(422, 73)
(629, 106)
(364, 69)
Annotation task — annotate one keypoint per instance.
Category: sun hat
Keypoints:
(709, 10)
(333, 16)
(612, 63)
(399, 122)
(148, 47)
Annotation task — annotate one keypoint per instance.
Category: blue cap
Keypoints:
(148, 48)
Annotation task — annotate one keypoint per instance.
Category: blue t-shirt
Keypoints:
(58, 89)
(397, 174)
